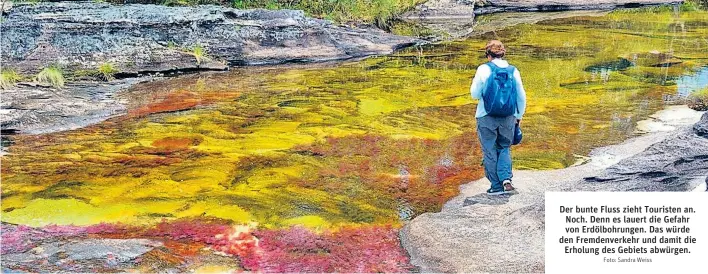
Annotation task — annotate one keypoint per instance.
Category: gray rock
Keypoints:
(438, 9)
(81, 255)
(32, 109)
(701, 128)
(149, 38)
(505, 234)
(669, 165)
(5, 6)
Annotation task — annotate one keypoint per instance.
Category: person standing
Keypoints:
(502, 103)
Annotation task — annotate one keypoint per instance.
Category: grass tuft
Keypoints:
(107, 71)
(171, 45)
(51, 75)
(199, 52)
(8, 78)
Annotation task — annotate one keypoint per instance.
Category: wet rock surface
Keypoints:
(31, 109)
(97, 254)
(450, 28)
(67, 249)
(433, 9)
(436, 9)
(490, 6)
(475, 232)
(150, 38)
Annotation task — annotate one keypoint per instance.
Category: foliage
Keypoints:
(171, 45)
(379, 12)
(107, 71)
(199, 53)
(699, 100)
(51, 75)
(8, 78)
(701, 4)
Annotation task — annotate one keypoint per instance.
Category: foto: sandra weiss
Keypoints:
(627, 260)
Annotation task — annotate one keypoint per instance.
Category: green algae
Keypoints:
(325, 146)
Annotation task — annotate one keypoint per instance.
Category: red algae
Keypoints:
(349, 249)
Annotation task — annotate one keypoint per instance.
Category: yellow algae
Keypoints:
(362, 142)
(216, 269)
(206, 176)
(41, 212)
(377, 106)
(227, 212)
(333, 131)
(313, 222)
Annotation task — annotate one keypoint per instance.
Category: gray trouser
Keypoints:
(495, 136)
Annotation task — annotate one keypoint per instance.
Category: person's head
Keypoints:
(494, 49)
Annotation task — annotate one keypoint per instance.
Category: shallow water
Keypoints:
(366, 142)
(691, 83)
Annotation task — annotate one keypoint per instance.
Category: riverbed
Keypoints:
(368, 142)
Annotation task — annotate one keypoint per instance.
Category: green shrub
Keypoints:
(379, 12)
(699, 4)
(51, 75)
(107, 71)
(690, 6)
(8, 78)
(699, 100)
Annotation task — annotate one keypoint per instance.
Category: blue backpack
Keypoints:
(500, 94)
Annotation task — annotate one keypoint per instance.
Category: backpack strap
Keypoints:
(512, 69)
(492, 66)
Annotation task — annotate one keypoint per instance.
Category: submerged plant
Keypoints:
(107, 71)
(8, 78)
(51, 75)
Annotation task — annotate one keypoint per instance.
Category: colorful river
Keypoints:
(363, 144)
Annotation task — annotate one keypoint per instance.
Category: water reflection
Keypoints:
(691, 83)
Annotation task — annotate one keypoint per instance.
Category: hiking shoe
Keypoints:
(508, 186)
(495, 191)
